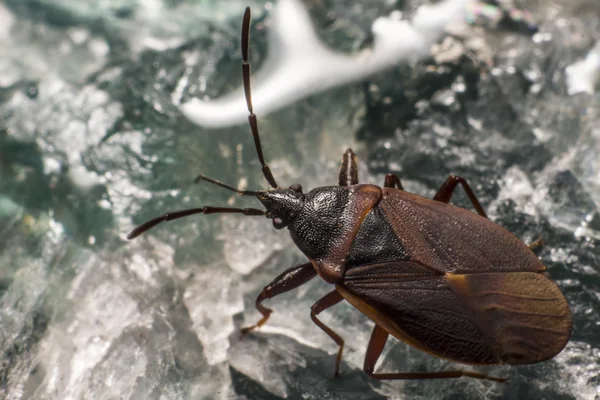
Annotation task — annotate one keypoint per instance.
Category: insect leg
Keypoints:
(375, 347)
(286, 281)
(445, 192)
(536, 244)
(348, 169)
(392, 180)
(331, 299)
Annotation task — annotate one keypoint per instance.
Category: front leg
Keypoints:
(288, 280)
(348, 169)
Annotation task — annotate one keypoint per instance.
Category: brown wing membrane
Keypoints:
(452, 239)
(524, 316)
(418, 307)
(495, 318)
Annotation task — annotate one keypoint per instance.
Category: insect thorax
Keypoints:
(328, 223)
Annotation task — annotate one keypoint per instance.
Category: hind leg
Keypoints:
(375, 347)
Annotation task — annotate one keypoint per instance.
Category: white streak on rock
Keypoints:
(583, 75)
(300, 65)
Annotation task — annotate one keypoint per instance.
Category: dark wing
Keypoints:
(452, 239)
(496, 318)
(523, 315)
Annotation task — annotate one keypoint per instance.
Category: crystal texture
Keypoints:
(93, 142)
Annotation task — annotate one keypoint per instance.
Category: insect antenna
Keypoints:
(252, 117)
(184, 213)
(170, 216)
(221, 184)
(254, 127)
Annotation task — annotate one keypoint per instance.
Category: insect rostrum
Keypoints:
(443, 279)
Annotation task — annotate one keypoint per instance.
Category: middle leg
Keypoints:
(330, 299)
(391, 181)
(447, 189)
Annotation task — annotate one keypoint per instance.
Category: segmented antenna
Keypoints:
(184, 213)
(252, 118)
(221, 184)
(265, 168)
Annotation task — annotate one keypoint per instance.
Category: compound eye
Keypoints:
(296, 187)
(277, 223)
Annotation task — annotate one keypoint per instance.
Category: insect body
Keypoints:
(443, 279)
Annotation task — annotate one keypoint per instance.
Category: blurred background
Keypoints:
(93, 141)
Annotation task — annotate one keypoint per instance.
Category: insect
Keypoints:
(443, 279)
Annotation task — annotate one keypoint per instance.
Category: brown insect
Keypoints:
(440, 278)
